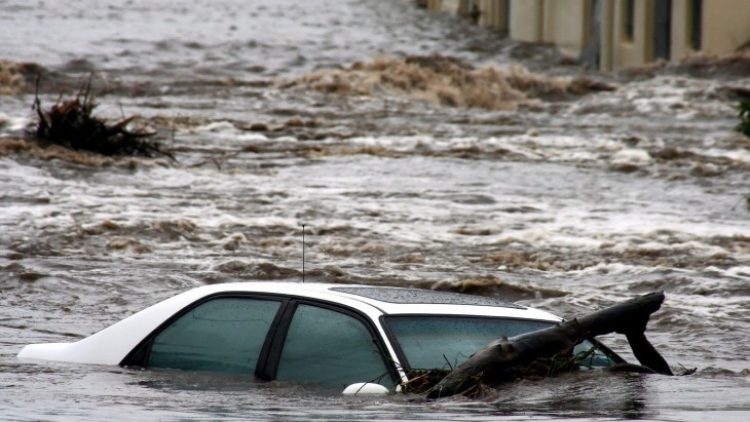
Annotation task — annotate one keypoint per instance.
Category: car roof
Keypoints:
(390, 300)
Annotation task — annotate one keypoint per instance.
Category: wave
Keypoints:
(493, 286)
(12, 81)
(446, 81)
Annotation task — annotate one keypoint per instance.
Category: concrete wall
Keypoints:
(681, 29)
(493, 14)
(606, 55)
(435, 5)
(624, 51)
(457, 7)
(726, 25)
(567, 24)
(452, 6)
(526, 18)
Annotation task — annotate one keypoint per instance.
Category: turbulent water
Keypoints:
(496, 168)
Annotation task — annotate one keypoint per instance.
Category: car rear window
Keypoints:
(442, 342)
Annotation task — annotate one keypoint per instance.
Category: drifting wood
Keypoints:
(507, 359)
(646, 353)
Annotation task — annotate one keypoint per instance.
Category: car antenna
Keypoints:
(303, 253)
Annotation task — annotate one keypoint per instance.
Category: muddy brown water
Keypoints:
(562, 200)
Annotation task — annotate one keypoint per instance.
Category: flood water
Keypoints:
(405, 171)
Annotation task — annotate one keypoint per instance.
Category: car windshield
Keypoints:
(442, 342)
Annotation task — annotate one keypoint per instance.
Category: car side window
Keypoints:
(589, 356)
(220, 335)
(330, 348)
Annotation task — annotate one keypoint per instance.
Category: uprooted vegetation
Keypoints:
(71, 124)
(550, 352)
(422, 381)
(447, 81)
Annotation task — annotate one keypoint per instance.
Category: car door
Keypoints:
(217, 334)
(272, 337)
(329, 346)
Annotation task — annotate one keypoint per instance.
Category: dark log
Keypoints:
(646, 354)
(505, 359)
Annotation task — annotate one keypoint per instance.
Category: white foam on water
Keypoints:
(631, 156)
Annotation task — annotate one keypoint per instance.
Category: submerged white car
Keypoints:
(330, 335)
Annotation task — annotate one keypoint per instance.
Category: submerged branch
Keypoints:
(507, 359)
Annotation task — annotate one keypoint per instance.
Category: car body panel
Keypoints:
(111, 345)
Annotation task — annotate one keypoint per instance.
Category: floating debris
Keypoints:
(125, 244)
(422, 380)
(547, 352)
(72, 124)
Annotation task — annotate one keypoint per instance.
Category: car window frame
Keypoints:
(138, 356)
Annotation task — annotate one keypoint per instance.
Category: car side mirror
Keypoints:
(365, 389)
